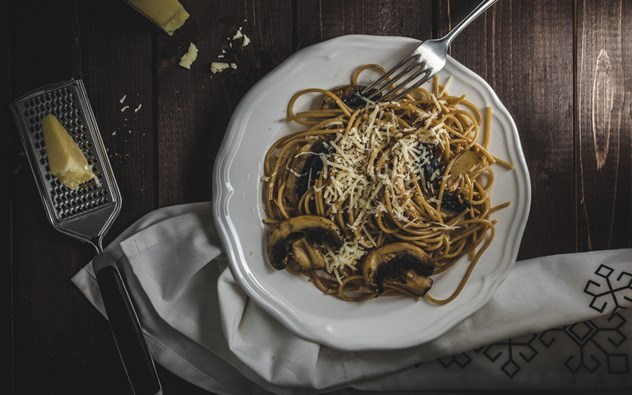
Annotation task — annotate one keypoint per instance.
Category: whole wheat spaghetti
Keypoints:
(413, 175)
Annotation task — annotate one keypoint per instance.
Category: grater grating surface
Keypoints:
(87, 212)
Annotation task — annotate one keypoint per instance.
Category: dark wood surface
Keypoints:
(563, 68)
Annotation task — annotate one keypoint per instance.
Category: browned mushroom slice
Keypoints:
(465, 162)
(304, 256)
(342, 92)
(313, 229)
(350, 95)
(398, 265)
(410, 283)
(455, 202)
(305, 169)
(295, 173)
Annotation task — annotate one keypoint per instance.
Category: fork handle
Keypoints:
(482, 7)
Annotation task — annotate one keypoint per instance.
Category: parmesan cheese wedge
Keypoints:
(169, 15)
(66, 161)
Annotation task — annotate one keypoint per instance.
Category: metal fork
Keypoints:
(420, 65)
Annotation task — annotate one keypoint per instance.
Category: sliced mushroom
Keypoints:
(400, 266)
(304, 256)
(349, 94)
(342, 92)
(455, 202)
(305, 169)
(452, 200)
(318, 230)
(430, 167)
(295, 169)
(410, 283)
(464, 162)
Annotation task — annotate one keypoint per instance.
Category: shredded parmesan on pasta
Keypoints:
(383, 176)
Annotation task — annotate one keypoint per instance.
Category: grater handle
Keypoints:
(125, 326)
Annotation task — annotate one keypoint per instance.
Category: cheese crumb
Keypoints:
(188, 58)
(123, 99)
(218, 67)
(124, 108)
(231, 52)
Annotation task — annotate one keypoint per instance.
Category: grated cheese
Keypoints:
(218, 67)
(352, 181)
(347, 256)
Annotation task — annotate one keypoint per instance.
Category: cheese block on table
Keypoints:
(66, 161)
(169, 15)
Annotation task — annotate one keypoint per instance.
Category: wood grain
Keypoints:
(604, 125)
(524, 50)
(113, 55)
(8, 155)
(194, 106)
(569, 91)
(318, 20)
(115, 61)
(44, 301)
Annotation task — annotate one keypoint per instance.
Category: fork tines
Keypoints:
(403, 78)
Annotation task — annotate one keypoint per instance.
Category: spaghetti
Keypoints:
(373, 198)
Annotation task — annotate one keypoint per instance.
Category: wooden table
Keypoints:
(563, 68)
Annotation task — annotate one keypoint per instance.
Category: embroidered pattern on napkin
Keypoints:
(590, 345)
(609, 291)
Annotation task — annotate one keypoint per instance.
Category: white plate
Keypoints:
(382, 323)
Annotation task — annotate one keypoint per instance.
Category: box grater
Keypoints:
(87, 212)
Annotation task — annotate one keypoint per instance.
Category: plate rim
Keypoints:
(223, 191)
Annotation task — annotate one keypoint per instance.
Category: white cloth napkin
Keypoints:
(557, 322)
